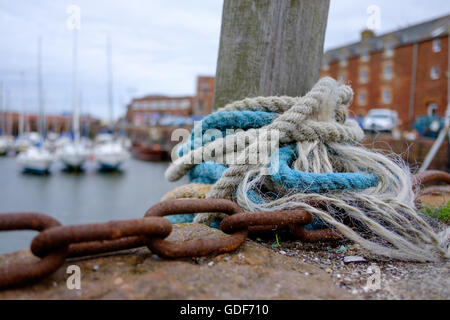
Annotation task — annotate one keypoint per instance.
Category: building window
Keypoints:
(365, 55)
(386, 96)
(387, 74)
(343, 60)
(432, 109)
(184, 104)
(362, 98)
(434, 72)
(437, 45)
(389, 49)
(326, 65)
(341, 77)
(201, 105)
(363, 76)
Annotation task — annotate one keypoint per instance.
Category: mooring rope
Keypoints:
(314, 157)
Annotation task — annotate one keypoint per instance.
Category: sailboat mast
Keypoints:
(2, 114)
(22, 113)
(75, 110)
(8, 112)
(110, 82)
(40, 95)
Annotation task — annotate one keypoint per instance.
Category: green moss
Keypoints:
(442, 213)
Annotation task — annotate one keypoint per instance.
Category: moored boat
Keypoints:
(73, 156)
(6, 143)
(110, 155)
(35, 160)
(148, 153)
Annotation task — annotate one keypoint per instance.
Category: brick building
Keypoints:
(9, 123)
(150, 109)
(405, 70)
(205, 96)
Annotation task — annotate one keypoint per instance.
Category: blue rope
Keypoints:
(206, 172)
(306, 182)
(189, 218)
(222, 121)
(209, 173)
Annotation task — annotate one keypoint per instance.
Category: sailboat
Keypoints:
(4, 145)
(110, 152)
(36, 159)
(6, 137)
(74, 154)
(4, 141)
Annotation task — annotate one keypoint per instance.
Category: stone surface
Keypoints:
(252, 272)
(435, 200)
(350, 259)
(399, 280)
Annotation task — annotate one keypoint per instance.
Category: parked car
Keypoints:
(429, 126)
(381, 120)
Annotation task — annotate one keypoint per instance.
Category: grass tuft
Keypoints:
(442, 213)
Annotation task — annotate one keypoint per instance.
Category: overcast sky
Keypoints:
(158, 46)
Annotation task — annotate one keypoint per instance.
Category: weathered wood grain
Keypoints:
(269, 48)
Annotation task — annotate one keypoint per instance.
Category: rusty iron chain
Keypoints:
(90, 235)
(55, 242)
(431, 176)
(198, 247)
(21, 273)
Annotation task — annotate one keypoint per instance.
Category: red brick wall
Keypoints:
(134, 108)
(427, 89)
(203, 104)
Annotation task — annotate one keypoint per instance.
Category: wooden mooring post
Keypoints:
(269, 47)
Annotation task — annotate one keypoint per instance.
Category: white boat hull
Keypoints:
(73, 161)
(73, 156)
(111, 155)
(35, 160)
(6, 143)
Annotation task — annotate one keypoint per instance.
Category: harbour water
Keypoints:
(87, 197)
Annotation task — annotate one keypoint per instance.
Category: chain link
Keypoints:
(21, 272)
(198, 247)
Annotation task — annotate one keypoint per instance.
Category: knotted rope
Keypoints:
(313, 158)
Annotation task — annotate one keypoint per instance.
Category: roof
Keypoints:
(412, 34)
(162, 97)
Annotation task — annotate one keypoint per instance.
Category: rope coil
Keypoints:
(315, 157)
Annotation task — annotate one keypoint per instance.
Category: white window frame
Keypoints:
(437, 45)
(364, 55)
(387, 75)
(343, 60)
(434, 72)
(361, 78)
(389, 49)
(362, 98)
(383, 95)
(432, 106)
